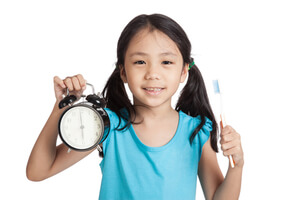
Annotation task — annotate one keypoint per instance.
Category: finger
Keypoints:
(230, 137)
(233, 151)
(59, 82)
(226, 130)
(229, 128)
(81, 80)
(69, 84)
(230, 145)
(76, 83)
(226, 138)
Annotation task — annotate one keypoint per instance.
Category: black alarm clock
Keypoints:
(82, 125)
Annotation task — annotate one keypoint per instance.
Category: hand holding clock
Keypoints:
(81, 125)
(76, 85)
(48, 158)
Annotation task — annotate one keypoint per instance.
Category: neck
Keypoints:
(144, 113)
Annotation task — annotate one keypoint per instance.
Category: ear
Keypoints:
(184, 73)
(123, 74)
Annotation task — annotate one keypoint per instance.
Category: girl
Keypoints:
(152, 151)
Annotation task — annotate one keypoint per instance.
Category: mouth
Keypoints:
(153, 90)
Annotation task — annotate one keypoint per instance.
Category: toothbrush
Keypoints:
(222, 117)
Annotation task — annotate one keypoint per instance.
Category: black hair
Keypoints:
(193, 99)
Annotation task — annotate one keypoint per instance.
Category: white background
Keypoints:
(253, 47)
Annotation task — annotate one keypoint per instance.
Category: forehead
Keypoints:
(152, 42)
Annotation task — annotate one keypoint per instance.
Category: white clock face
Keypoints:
(81, 127)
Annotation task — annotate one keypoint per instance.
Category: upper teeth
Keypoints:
(153, 89)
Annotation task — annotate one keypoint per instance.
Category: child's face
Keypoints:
(153, 68)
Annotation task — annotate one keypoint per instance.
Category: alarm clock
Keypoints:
(84, 125)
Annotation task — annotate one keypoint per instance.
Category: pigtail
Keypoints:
(116, 98)
(194, 101)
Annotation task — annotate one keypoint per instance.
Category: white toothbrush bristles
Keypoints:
(218, 92)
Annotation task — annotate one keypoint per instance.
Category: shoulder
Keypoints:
(207, 125)
(111, 114)
(199, 134)
(116, 121)
(196, 121)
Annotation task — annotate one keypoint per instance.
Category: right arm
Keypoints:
(47, 159)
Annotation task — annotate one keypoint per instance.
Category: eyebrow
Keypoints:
(138, 53)
(168, 54)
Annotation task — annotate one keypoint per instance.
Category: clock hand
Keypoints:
(81, 126)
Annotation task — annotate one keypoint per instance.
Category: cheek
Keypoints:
(176, 77)
(174, 80)
(131, 75)
(132, 81)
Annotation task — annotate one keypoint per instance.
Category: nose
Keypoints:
(152, 73)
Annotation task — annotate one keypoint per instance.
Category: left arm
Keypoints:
(212, 181)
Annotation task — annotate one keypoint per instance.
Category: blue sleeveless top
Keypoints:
(132, 170)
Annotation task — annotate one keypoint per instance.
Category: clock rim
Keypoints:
(60, 132)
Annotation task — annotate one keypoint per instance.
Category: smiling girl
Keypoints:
(153, 151)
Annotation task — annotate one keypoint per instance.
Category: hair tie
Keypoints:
(191, 65)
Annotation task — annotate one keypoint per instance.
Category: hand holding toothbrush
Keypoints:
(230, 139)
(231, 145)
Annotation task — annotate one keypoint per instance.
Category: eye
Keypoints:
(167, 62)
(140, 62)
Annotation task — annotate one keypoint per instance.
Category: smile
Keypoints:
(153, 90)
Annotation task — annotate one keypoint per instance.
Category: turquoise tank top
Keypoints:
(131, 170)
